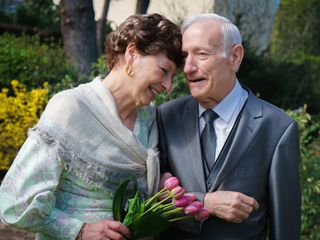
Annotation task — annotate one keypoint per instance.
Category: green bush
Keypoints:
(288, 85)
(6, 17)
(295, 30)
(42, 14)
(31, 62)
(99, 68)
(309, 174)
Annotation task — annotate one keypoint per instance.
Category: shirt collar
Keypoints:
(227, 106)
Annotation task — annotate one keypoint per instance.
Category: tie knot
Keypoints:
(209, 116)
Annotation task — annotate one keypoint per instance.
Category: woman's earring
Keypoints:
(129, 70)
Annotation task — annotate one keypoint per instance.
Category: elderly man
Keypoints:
(237, 153)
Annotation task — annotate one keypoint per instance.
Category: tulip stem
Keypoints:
(176, 210)
(166, 207)
(156, 205)
(180, 218)
(150, 200)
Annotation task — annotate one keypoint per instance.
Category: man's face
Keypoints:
(208, 70)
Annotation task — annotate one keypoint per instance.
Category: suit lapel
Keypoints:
(248, 127)
(190, 123)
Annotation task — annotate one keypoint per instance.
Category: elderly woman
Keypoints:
(92, 137)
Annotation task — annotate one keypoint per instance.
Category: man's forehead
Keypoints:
(199, 33)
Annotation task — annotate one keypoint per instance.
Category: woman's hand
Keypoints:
(106, 229)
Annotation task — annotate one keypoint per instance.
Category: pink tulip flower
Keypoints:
(191, 209)
(202, 215)
(181, 202)
(198, 204)
(171, 183)
(177, 192)
(192, 197)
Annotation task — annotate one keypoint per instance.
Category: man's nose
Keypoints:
(189, 65)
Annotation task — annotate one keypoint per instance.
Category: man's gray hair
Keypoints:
(230, 33)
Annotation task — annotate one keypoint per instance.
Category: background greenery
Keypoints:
(287, 75)
(32, 62)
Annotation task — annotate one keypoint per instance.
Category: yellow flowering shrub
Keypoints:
(18, 113)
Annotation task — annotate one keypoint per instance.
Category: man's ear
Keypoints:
(130, 53)
(236, 56)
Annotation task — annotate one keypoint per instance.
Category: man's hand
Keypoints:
(106, 229)
(163, 178)
(230, 206)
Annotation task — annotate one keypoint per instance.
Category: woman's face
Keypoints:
(152, 74)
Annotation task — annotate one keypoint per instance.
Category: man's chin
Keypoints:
(196, 93)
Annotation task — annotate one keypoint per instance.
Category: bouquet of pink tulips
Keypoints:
(153, 216)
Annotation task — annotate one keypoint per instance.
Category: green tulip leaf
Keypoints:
(119, 199)
(134, 209)
(150, 224)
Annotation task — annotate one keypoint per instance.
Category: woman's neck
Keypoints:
(126, 107)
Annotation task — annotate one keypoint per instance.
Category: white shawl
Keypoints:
(84, 125)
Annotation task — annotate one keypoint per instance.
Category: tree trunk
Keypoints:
(253, 18)
(142, 6)
(79, 33)
(101, 26)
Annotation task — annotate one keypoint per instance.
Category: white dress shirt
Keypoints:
(228, 110)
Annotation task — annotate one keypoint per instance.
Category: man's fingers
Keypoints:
(249, 201)
(163, 178)
(235, 216)
(255, 205)
(246, 208)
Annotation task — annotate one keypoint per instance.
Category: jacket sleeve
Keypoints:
(284, 187)
(163, 150)
(27, 199)
(164, 165)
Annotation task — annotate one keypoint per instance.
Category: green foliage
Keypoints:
(120, 198)
(99, 68)
(39, 13)
(6, 17)
(285, 84)
(43, 14)
(309, 173)
(295, 30)
(32, 62)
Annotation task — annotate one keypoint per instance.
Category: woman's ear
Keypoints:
(236, 56)
(130, 53)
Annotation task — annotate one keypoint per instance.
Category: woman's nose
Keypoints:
(167, 83)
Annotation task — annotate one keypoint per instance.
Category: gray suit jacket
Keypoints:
(262, 162)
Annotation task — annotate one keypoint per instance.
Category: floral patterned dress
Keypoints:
(39, 195)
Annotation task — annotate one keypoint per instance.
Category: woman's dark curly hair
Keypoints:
(150, 34)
